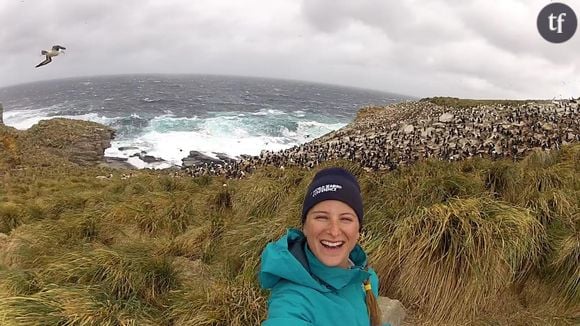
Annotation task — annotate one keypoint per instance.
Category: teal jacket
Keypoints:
(306, 292)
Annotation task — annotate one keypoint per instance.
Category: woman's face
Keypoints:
(332, 230)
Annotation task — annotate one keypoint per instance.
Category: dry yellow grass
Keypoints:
(467, 243)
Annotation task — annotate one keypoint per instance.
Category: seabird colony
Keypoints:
(384, 138)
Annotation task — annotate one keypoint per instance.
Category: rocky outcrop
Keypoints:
(143, 156)
(1, 114)
(81, 142)
(196, 158)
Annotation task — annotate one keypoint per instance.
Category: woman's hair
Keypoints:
(372, 304)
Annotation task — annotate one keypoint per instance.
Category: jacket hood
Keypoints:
(290, 259)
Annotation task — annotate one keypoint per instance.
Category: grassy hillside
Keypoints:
(475, 242)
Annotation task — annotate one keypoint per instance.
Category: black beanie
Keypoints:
(334, 184)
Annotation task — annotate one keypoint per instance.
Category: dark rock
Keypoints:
(151, 159)
(128, 148)
(118, 159)
(196, 158)
(224, 157)
(147, 158)
(117, 163)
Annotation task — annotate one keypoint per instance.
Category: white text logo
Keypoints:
(325, 188)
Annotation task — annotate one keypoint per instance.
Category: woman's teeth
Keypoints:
(332, 244)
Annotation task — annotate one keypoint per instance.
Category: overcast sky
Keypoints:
(462, 48)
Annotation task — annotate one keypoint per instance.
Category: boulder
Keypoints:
(446, 117)
(224, 157)
(196, 158)
(128, 148)
(116, 163)
(392, 310)
(151, 159)
(407, 129)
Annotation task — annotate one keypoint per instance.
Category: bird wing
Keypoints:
(58, 47)
(46, 61)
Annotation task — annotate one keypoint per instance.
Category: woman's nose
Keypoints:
(334, 228)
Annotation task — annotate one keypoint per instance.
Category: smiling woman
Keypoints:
(319, 275)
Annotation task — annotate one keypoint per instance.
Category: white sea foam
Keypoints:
(269, 112)
(94, 117)
(24, 119)
(167, 138)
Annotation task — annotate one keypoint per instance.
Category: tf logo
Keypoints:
(557, 22)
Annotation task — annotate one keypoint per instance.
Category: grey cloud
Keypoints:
(428, 47)
(429, 22)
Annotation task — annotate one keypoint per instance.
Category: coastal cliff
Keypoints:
(56, 141)
(81, 142)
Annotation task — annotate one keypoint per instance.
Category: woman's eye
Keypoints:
(320, 217)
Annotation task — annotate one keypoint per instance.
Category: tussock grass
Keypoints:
(477, 242)
(401, 193)
(74, 306)
(199, 242)
(11, 216)
(156, 213)
(40, 241)
(563, 267)
(123, 273)
(501, 179)
(18, 283)
(37, 210)
(264, 199)
(217, 303)
(221, 201)
(546, 186)
(453, 258)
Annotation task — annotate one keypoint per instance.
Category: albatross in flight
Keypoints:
(56, 50)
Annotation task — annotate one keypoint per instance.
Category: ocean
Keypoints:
(167, 116)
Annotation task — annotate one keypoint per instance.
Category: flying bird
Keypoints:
(56, 50)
